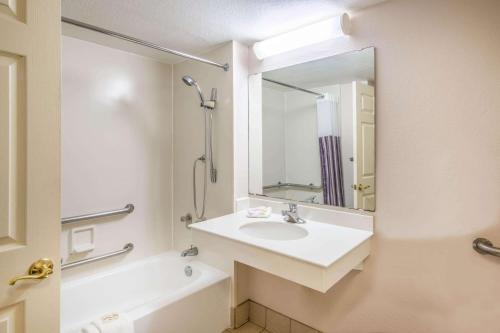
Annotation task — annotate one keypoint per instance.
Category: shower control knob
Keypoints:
(187, 218)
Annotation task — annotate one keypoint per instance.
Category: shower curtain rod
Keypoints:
(225, 67)
(295, 87)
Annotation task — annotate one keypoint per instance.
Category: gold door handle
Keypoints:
(360, 187)
(38, 270)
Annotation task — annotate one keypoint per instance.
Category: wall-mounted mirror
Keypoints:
(312, 131)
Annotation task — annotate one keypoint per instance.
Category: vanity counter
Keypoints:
(322, 244)
(315, 254)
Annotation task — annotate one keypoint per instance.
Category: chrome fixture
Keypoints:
(127, 248)
(484, 246)
(208, 107)
(225, 67)
(192, 83)
(200, 215)
(187, 219)
(210, 104)
(192, 251)
(129, 208)
(312, 199)
(291, 215)
(213, 170)
(309, 187)
(294, 87)
(188, 271)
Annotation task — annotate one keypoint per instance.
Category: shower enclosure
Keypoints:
(126, 104)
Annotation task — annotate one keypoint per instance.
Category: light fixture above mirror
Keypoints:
(314, 33)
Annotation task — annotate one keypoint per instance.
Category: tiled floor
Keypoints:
(260, 319)
(264, 320)
(247, 328)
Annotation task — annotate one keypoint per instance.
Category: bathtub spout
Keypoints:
(192, 251)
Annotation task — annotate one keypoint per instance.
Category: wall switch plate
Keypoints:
(83, 239)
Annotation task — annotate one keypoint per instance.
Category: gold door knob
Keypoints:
(38, 270)
(360, 187)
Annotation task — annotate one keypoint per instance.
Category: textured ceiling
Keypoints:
(195, 26)
(342, 68)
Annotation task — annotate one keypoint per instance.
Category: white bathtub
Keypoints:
(155, 293)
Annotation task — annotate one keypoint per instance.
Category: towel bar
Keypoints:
(129, 208)
(484, 246)
(127, 248)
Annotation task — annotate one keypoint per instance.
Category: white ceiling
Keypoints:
(342, 68)
(196, 26)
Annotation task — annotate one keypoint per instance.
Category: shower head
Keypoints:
(188, 80)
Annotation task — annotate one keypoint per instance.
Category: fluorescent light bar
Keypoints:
(311, 34)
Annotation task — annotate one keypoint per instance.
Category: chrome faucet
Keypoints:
(311, 199)
(192, 251)
(291, 215)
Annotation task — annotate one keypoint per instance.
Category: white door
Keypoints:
(29, 164)
(364, 146)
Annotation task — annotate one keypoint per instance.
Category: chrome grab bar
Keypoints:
(484, 246)
(127, 248)
(301, 186)
(129, 208)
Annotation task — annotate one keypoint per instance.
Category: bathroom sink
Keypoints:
(273, 230)
(316, 254)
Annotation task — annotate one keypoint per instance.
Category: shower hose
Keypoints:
(203, 159)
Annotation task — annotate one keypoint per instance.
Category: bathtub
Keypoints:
(155, 293)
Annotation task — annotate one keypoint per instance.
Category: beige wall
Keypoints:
(438, 176)
(116, 148)
(240, 119)
(188, 140)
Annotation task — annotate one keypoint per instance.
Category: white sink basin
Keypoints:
(273, 230)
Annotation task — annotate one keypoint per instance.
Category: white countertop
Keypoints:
(325, 243)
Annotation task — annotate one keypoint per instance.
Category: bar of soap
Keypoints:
(259, 212)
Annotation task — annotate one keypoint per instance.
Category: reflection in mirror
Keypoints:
(312, 131)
